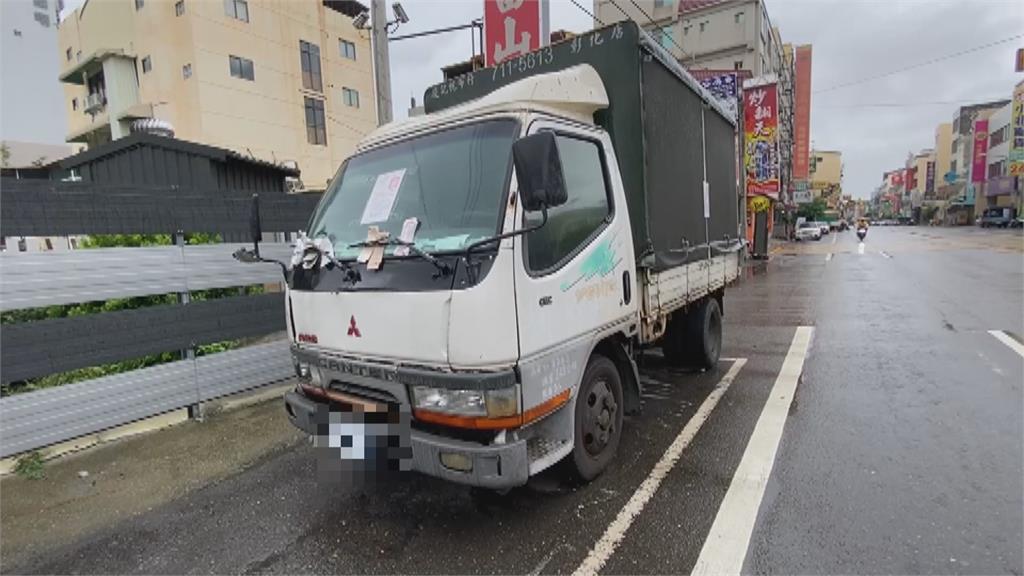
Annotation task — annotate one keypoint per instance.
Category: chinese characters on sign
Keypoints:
(978, 172)
(760, 140)
(1015, 160)
(929, 182)
(722, 87)
(802, 115)
(513, 28)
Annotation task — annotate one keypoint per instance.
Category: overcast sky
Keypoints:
(874, 124)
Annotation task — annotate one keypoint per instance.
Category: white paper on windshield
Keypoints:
(408, 233)
(382, 197)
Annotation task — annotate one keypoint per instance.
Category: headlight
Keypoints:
(470, 404)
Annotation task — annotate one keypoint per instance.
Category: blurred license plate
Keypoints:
(361, 440)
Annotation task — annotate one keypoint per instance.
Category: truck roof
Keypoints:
(575, 92)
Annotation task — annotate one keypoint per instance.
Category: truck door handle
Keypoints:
(627, 289)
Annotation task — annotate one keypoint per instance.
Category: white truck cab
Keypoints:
(475, 271)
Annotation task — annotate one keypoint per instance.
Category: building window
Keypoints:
(309, 56)
(17, 33)
(665, 38)
(179, 8)
(74, 103)
(350, 97)
(139, 4)
(67, 54)
(316, 129)
(41, 4)
(737, 65)
(686, 30)
(186, 71)
(348, 50)
(738, 17)
(237, 9)
(703, 26)
(999, 136)
(43, 19)
(576, 223)
(241, 68)
(147, 64)
(996, 169)
(662, 3)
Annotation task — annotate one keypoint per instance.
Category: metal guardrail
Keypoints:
(37, 348)
(52, 278)
(43, 417)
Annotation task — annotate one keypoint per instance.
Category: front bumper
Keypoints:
(497, 467)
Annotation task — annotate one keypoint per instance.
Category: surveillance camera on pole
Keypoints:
(359, 22)
(400, 14)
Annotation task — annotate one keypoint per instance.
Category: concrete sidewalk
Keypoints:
(98, 487)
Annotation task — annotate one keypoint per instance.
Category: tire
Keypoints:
(597, 420)
(705, 334)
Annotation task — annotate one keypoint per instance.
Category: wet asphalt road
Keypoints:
(901, 453)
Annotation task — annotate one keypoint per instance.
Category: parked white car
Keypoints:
(808, 231)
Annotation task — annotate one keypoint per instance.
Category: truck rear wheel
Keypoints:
(705, 334)
(597, 420)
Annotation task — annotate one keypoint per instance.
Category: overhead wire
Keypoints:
(587, 12)
(651, 20)
(918, 65)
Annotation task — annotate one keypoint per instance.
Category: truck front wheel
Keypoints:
(597, 421)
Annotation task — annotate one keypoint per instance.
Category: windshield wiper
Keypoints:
(442, 267)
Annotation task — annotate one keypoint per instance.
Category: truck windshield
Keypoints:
(452, 182)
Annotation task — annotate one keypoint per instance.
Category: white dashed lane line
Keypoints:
(616, 531)
(1008, 340)
(726, 545)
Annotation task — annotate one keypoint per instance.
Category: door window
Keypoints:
(574, 224)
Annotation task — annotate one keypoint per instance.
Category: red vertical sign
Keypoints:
(978, 169)
(512, 28)
(760, 140)
(802, 113)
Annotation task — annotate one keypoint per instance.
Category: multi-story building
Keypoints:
(961, 146)
(943, 153)
(277, 80)
(32, 120)
(657, 17)
(826, 175)
(1000, 188)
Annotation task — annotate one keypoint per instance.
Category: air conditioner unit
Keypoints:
(94, 103)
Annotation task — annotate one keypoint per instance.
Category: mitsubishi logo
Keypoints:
(353, 330)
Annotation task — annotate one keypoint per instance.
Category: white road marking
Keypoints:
(886, 254)
(828, 257)
(860, 248)
(616, 531)
(835, 237)
(725, 548)
(1008, 340)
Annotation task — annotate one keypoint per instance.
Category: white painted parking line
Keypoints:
(725, 548)
(616, 531)
(860, 248)
(835, 237)
(1008, 340)
(828, 257)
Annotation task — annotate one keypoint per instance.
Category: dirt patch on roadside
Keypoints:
(84, 492)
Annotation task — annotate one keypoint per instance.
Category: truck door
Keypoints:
(575, 277)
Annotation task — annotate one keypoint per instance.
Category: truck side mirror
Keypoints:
(539, 172)
(255, 228)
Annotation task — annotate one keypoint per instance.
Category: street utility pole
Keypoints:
(381, 60)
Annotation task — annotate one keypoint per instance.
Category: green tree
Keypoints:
(813, 211)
